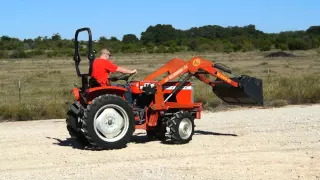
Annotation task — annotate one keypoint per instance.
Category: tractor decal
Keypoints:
(196, 62)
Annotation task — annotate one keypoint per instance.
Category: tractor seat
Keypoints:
(93, 83)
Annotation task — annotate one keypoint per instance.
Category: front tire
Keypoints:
(108, 122)
(180, 128)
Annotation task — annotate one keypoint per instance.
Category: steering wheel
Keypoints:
(124, 77)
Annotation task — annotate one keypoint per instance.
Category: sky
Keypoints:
(33, 18)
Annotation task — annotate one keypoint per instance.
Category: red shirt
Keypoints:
(101, 69)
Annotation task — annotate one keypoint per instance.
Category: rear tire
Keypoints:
(116, 117)
(74, 126)
(180, 128)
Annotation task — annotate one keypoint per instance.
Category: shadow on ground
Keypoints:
(205, 133)
(139, 138)
(200, 132)
(69, 142)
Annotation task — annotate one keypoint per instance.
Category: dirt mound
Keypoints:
(280, 54)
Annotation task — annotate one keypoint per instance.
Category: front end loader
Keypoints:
(163, 102)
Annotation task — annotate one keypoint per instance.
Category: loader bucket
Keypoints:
(249, 92)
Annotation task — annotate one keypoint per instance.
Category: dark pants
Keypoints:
(128, 94)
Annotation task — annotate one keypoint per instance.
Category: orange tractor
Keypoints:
(101, 117)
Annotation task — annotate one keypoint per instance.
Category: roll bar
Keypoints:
(76, 56)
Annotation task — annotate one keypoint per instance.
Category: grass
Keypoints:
(46, 84)
(294, 89)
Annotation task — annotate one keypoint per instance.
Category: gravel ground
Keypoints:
(280, 143)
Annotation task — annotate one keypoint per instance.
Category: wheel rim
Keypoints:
(185, 128)
(111, 122)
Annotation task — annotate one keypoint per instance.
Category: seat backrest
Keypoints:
(93, 83)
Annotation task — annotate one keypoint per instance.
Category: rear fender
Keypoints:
(97, 91)
(76, 93)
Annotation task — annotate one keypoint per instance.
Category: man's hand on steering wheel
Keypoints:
(133, 72)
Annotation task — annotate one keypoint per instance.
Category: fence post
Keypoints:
(19, 90)
(268, 75)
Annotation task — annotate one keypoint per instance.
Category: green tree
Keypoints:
(130, 38)
(56, 37)
(297, 44)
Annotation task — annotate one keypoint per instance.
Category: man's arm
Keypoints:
(125, 71)
(115, 68)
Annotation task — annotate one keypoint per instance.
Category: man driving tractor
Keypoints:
(102, 67)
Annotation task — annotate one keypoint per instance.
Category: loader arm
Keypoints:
(202, 78)
(168, 68)
(192, 67)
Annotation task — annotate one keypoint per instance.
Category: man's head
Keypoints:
(105, 54)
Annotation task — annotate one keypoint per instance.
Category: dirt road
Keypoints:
(279, 143)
